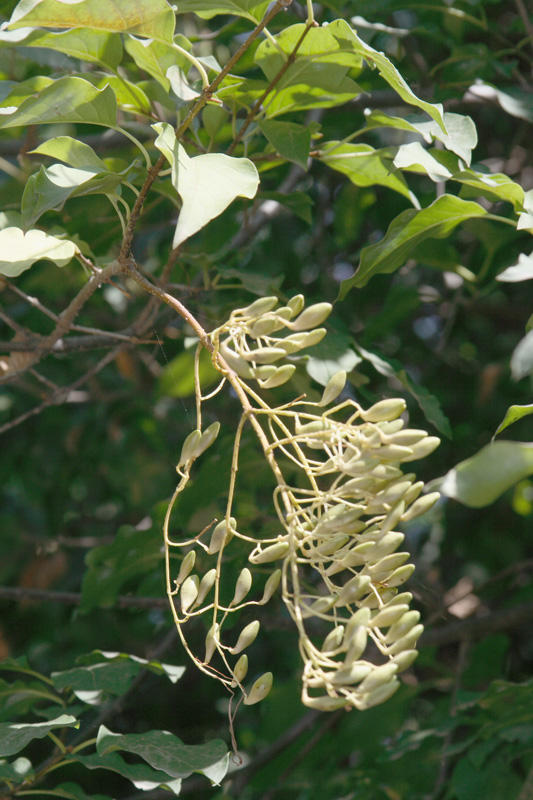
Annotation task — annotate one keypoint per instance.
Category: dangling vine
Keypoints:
(339, 523)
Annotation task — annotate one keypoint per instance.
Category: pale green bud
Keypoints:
(186, 566)
(206, 584)
(356, 644)
(387, 544)
(259, 307)
(281, 376)
(221, 536)
(361, 617)
(354, 589)
(242, 587)
(393, 517)
(247, 636)
(263, 355)
(388, 616)
(387, 565)
(312, 316)
(271, 553)
(378, 677)
(259, 690)
(379, 695)
(333, 640)
(296, 304)
(405, 659)
(407, 642)
(211, 641)
(190, 447)
(402, 626)
(333, 388)
(235, 362)
(266, 325)
(406, 438)
(400, 575)
(324, 703)
(270, 586)
(420, 506)
(208, 437)
(240, 670)
(412, 494)
(386, 472)
(334, 544)
(385, 410)
(314, 337)
(390, 427)
(347, 676)
(423, 448)
(189, 592)
(394, 452)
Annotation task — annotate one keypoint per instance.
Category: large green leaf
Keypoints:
(365, 166)
(69, 99)
(406, 231)
(317, 75)
(480, 480)
(290, 140)
(164, 751)
(19, 250)
(156, 58)
(152, 18)
(98, 47)
(495, 187)
(207, 184)
(513, 414)
(142, 776)
(18, 698)
(414, 157)
(71, 151)
(14, 737)
(253, 10)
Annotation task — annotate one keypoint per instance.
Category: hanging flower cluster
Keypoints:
(336, 556)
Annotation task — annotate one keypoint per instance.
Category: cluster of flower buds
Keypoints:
(342, 527)
(337, 559)
(249, 345)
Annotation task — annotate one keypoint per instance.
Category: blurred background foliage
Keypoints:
(83, 484)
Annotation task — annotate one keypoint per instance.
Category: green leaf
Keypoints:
(98, 47)
(177, 378)
(365, 166)
(406, 231)
(16, 771)
(519, 105)
(290, 140)
(18, 697)
(522, 357)
(253, 10)
(19, 250)
(329, 356)
(317, 75)
(131, 554)
(172, 672)
(152, 18)
(415, 157)
(164, 751)
(298, 202)
(15, 736)
(71, 151)
(495, 187)
(52, 186)
(69, 99)
(207, 184)
(141, 775)
(156, 58)
(72, 791)
(521, 271)
(480, 480)
(513, 414)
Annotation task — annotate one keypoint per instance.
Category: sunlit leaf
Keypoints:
(521, 271)
(519, 105)
(414, 156)
(494, 187)
(406, 231)
(98, 47)
(480, 480)
(142, 776)
(365, 166)
(15, 737)
(152, 18)
(172, 672)
(290, 140)
(19, 250)
(156, 58)
(250, 9)
(513, 414)
(522, 358)
(164, 751)
(69, 99)
(207, 184)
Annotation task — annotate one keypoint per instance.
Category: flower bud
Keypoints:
(386, 565)
(423, 448)
(355, 588)
(324, 703)
(388, 616)
(400, 575)
(331, 546)
(265, 326)
(378, 677)
(190, 447)
(247, 636)
(206, 584)
(186, 566)
(312, 317)
(221, 536)
(405, 659)
(412, 493)
(235, 362)
(296, 304)
(420, 506)
(347, 676)
(240, 670)
(242, 587)
(270, 586)
(394, 452)
(259, 690)
(361, 617)
(208, 437)
(393, 517)
(402, 626)
(333, 640)
(189, 592)
(259, 307)
(356, 645)
(406, 438)
(280, 376)
(379, 695)
(263, 355)
(271, 553)
(211, 641)
(385, 410)
(407, 642)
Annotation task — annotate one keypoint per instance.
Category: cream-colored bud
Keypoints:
(221, 535)
(356, 645)
(208, 437)
(314, 337)
(393, 517)
(263, 355)
(338, 519)
(395, 492)
(211, 641)
(412, 494)
(293, 343)
(394, 452)
(400, 575)
(281, 376)
(266, 325)
(386, 472)
(259, 307)
(247, 636)
(333, 388)
(388, 428)
(242, 587)
(190, 447)
(385, 410)
(270, 586)
(357, 485)
(189, 592)
(379, 695)
(354, 589)
(316, 426)
(331, 546)
(186, 566)
(423, 448)
(320, 606)
(420, 506)
(406, 438)
(259, 690)
(296, 304)
(333, 640)
(379, 597)
(405, 659)
(388, 616)
(407, 642)
(235, 362)
(347, 676)
(407, 621)
(403, 598)
(387, 544)
(361, 617)
(240, 670)
(387, 565)
(271, 553)
(206, 584)
(378, 677)
(324, 703)
(312, 317)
